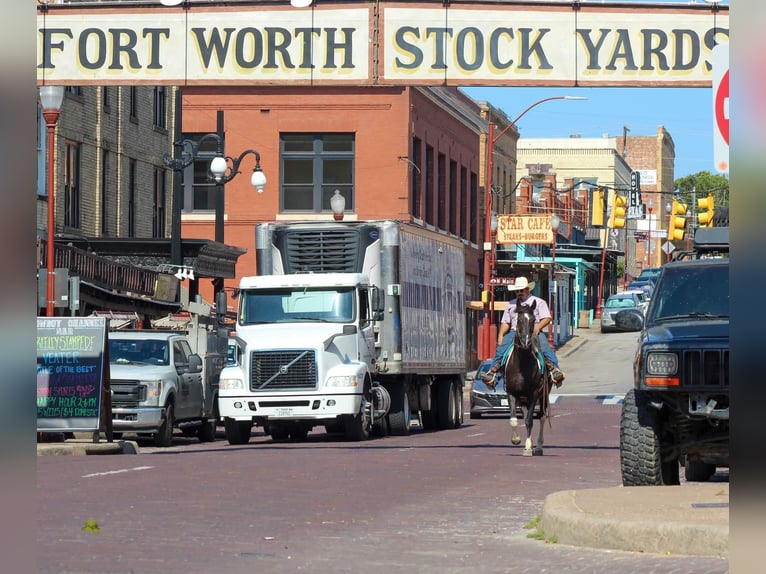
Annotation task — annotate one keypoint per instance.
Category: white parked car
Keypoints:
(643, 296)
(616, 303)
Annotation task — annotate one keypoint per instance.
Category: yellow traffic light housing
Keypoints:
(598, 208)
(617, 218)
(705, 218)
(677, 221)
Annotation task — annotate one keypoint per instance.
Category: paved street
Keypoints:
(447, 501)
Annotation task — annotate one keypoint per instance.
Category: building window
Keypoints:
(428, 215)
(442, 201)
(106, 94)
(72, 185)
(313, 166)
(453, 197)
(133, 103)
(465, 214)
(160, 105)
(158, 205)
(474, 213)
(104, 192)
(132, 166)
(74, 91)
(417, 159)
(199, 190)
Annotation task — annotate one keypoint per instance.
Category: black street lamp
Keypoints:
(220, 171)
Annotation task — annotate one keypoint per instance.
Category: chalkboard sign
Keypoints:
(70, 372)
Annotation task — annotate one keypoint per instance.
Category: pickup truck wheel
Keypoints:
(164, 436)
(206, 432)
(640, 445)
(399, 414)
(698, 471)
(237, 432)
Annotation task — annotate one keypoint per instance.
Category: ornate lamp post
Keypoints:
(51, 98)
(488, 257)
(222, 170)
(555, 222)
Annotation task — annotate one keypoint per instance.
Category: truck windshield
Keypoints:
(690, 293)
(152, 352)
(291, 305)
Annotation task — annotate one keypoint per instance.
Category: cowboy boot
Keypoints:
(556, 374)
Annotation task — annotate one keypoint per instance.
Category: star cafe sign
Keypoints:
(524, 229)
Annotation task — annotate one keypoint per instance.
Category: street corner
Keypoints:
(79, 447)
(689, 519)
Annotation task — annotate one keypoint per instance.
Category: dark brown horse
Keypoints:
(526, 381)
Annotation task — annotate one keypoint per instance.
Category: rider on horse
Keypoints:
(507, 330)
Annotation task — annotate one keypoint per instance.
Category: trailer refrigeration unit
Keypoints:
(354, 326)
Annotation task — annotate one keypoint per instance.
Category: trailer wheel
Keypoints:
(446, 407)
(459, 412)
(399, 414)
(237, 432)
(164, 436)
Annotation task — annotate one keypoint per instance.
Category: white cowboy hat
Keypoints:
(521, 283)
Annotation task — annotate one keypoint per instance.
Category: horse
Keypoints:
(526, 380)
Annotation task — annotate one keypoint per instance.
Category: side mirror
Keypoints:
(378, 303)
(195, 364)
(221, 306)
(629, 320)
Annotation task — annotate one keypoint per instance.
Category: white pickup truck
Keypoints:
(166, 378)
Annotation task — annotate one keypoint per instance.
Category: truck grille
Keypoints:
(705, 368)
(322, 251)
(127, 394)
(283, 370)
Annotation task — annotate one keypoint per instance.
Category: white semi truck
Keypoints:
(354, 326)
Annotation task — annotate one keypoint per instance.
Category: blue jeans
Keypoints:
(544, 347)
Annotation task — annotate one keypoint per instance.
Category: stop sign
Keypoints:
(721, 107)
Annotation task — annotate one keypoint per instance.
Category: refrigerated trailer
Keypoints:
(355, 326)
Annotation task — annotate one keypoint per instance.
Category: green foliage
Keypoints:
(537, 535)
(620, 269)
(91, 526)
(700, 184)
(533, 523)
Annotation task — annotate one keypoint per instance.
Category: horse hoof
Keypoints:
(527, 452)
(537, 452)
(516, 441)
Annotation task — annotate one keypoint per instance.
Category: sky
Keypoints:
(686, 113)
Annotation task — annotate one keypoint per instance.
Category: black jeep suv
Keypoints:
(679, 408)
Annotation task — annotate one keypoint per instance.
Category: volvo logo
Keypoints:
(283, 369)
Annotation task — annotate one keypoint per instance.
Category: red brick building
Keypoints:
(404, 153)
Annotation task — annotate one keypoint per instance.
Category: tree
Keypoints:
(699, 185)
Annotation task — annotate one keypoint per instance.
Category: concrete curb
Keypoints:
(690, 519)
(78, 447)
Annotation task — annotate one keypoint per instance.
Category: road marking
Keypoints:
(474, 434)
(117, 471)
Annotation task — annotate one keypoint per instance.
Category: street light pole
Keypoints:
(220, 172)
(51, 98)
(649, 207)
(555, 222)
(488, 244)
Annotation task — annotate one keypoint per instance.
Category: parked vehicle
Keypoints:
(678, 409)
(643, 298)
(348, 325)
(162, 379)
(644, 285)
(614, 304)
(649, 274)
(487, 400)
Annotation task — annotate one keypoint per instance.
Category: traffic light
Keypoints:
(617, 218)
(598, 207)
(705, 218)
(677, 221)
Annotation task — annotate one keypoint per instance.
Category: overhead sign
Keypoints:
(524, 44)
(525, 229)
(721, 107)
